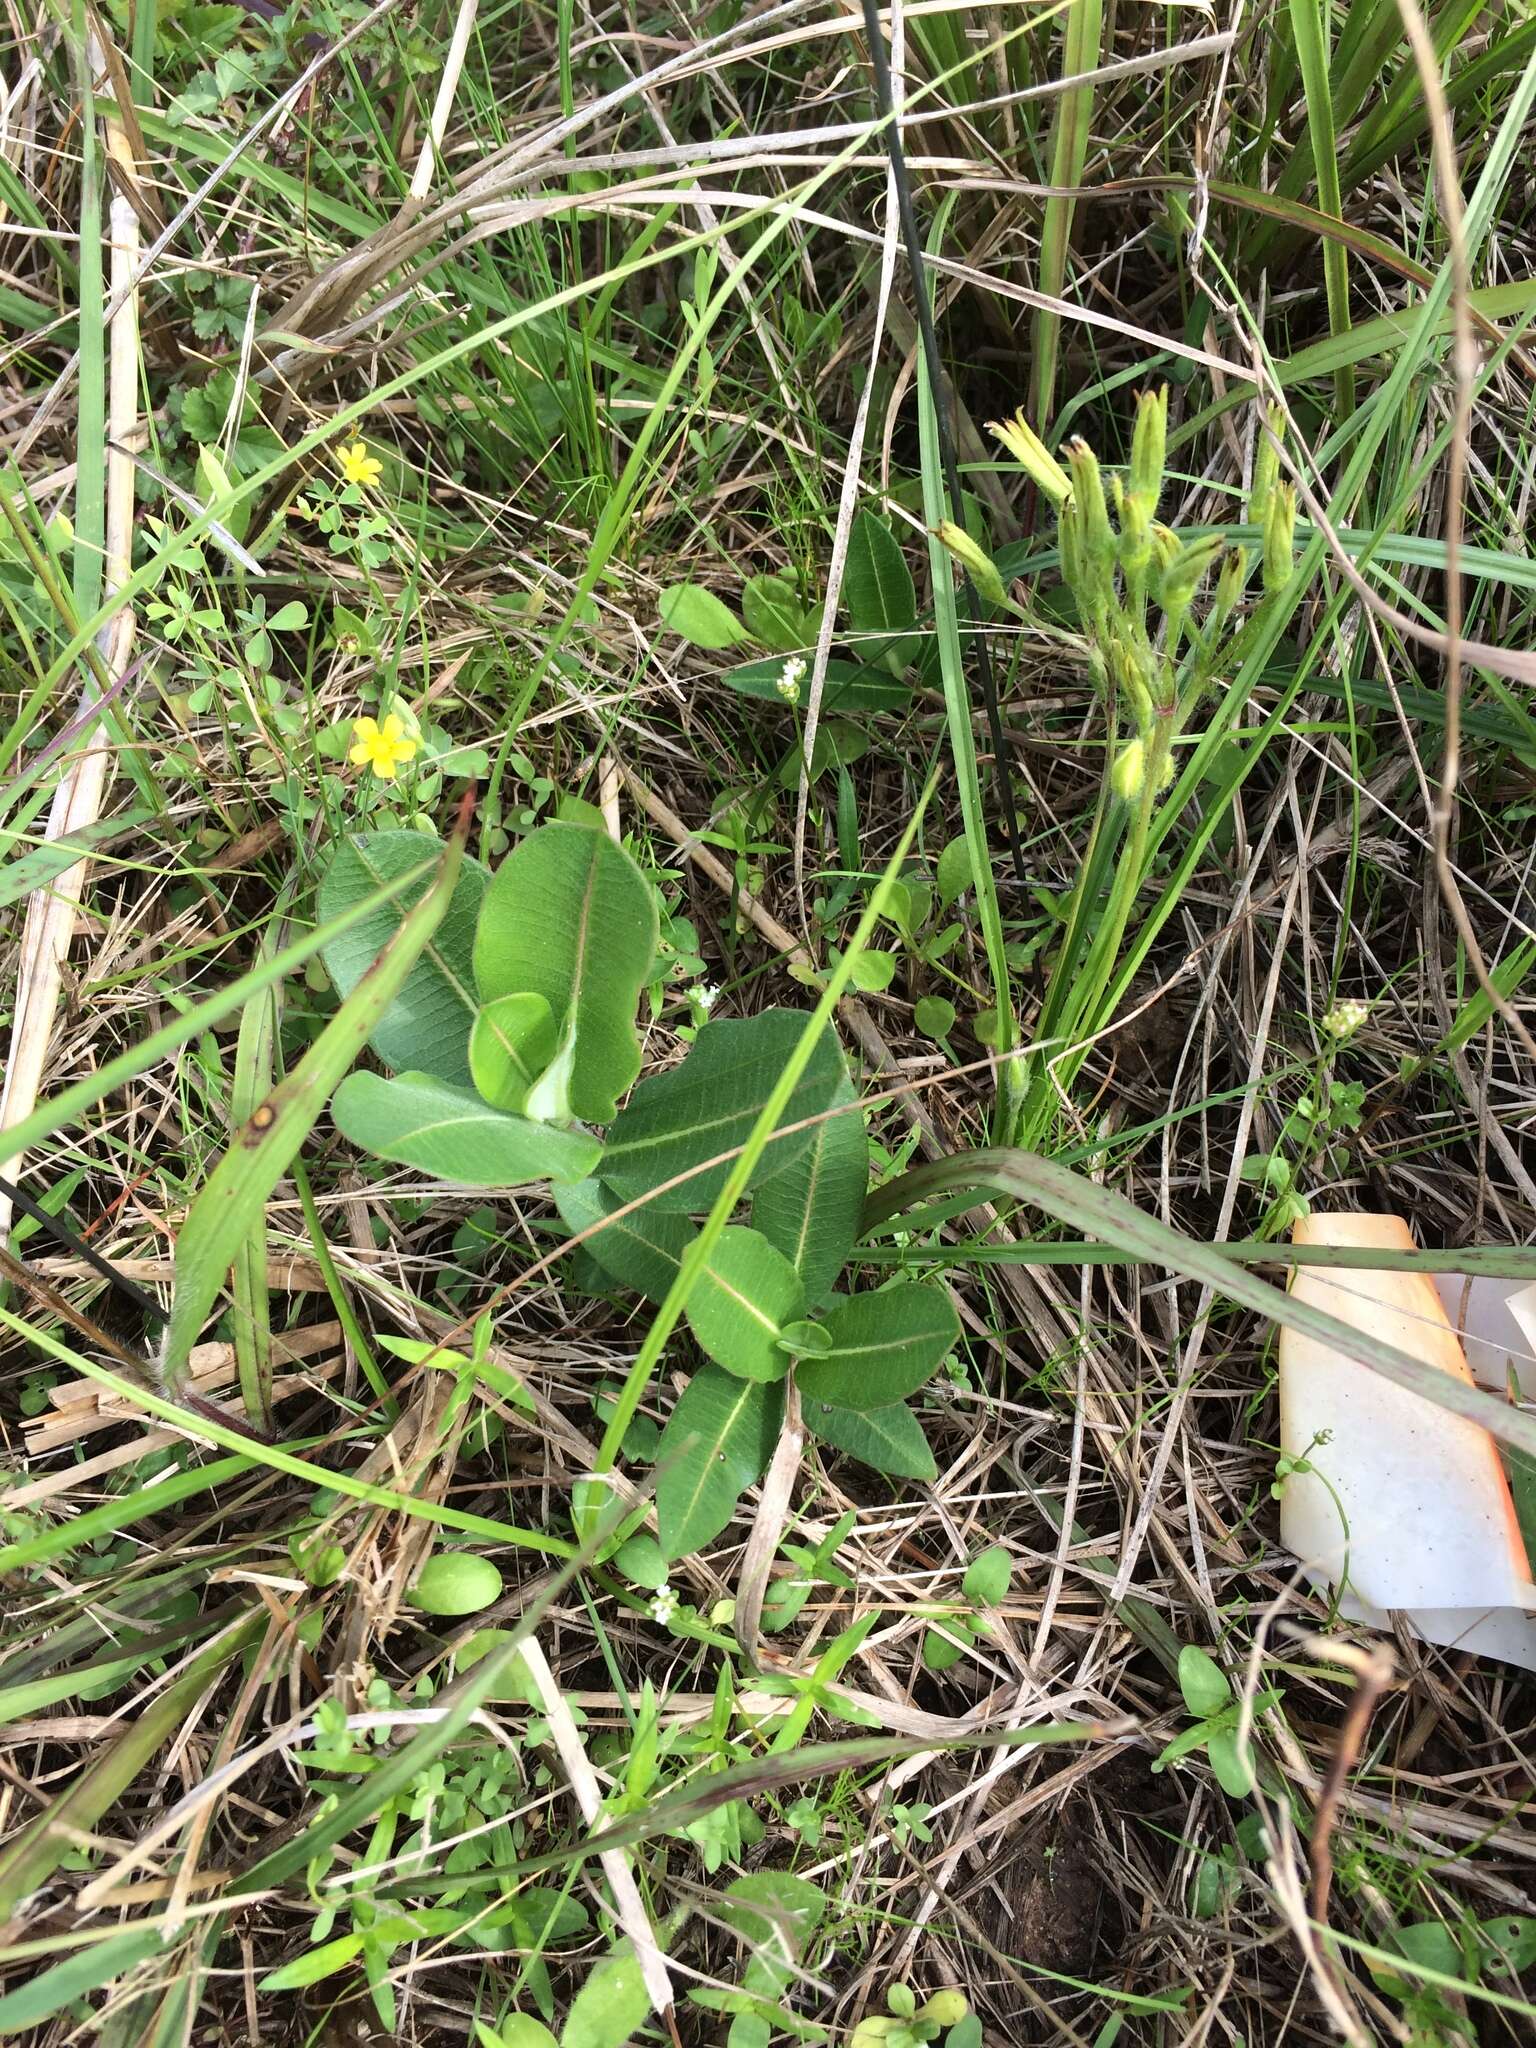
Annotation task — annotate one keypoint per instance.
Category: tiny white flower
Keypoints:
(790, 678)
(1345, 1018)
(706, 995)
(664, 1606)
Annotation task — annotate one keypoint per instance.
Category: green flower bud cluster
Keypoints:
(1153, 645)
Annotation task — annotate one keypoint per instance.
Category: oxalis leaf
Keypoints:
(718, 1439)
(740, 1303)
(889, 1439)
(707, 1107)
(571, 918)
(427, 1025)
(235, 1194)
(451, 1133)
(812, 1210)
(884, 1347)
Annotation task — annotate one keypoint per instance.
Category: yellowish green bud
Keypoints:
(1149, 446)
(1279, 537)
(1088, 495)
(1266, 467)
(1232, 582)
(945, 2008)
(1032, 456)
(1129, 770)
(1185, 573)
(974, 559)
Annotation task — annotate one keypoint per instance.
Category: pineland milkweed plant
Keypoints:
(1160, 617)
(511, 1057)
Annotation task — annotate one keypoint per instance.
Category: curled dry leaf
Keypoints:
(1397, 1504)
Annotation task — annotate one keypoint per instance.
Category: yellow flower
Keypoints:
(358, 466)
(381, 747)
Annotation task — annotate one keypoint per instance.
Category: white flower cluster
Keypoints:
(1345, 1018)
(790, 678)
(664, 1606)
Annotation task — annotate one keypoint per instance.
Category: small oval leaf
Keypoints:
(698, 616)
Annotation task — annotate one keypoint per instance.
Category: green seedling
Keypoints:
(986, 1583)
(1208, 1696)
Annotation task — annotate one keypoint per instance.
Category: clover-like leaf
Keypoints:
(569, 916)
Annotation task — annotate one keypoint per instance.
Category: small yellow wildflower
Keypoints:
(358, 466)
(381, 747)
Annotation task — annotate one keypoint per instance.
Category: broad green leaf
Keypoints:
(451, 1133)
(934, 1016)
(718, 1439)
(234, 1197)
(849, 686)
(774, 614)
(571, 918)
(740, 1303)
(884, 1347)
(1234, 1774)
(987, 1576)
(879, 594)
(427, 1024)
(516, 2031)
(811, 1211)
(888, 1439)
(643, 1250)
(511, 1042)
(707, 1106)
(956, 870)
(609, 2007)
(314, 1964)
(699, 617)
(1202, 1682)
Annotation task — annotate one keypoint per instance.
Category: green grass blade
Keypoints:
(1310, 28)
(1073, 1199)
(1080, 52)
(227, 1211)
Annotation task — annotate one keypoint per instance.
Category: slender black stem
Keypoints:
(61, 1232)
(936, 384)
